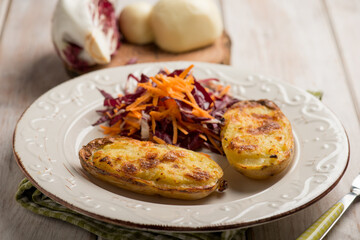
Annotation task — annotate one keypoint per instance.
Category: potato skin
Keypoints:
(149, 168)
(257, 138)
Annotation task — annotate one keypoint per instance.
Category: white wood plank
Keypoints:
(293, 41)
(345, 19)
(28, 67)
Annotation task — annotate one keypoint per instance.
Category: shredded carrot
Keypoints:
(175, 130)
(196, 112)
(191, 97)
(107, 113)
(215, 145)
(201, 112)
(159, 115)
(164, 95)
(132, 131)
(158, 140)
(186, 71)
(105, 129)
(207, 155)
(152, 89)
(157, 81)
(133, 124)
(182, 130)
(155, 101)
(112, 130)
(203, 137)
(120, 106)
(190, 126)
(224, 91)
(134, 114)
(166, 70)
(141, 107)
(162, 79)
(190, 80)
(141, 99)
(207, 132)
(153, 124)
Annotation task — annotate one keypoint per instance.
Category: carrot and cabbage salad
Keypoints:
(171, 108)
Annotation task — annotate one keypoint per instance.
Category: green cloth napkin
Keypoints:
(318, 94)
(32, 199)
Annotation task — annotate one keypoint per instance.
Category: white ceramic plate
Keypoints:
(53, 129)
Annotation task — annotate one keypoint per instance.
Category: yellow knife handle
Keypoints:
(321, 226)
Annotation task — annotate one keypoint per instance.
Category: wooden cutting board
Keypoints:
(219, 52)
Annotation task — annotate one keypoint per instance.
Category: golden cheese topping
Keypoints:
(256, 134)
(151, 168)
(164, 164)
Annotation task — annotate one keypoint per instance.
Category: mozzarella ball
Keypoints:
(184, 25)
(134, 23)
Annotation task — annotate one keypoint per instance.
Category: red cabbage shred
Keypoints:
(164, 128)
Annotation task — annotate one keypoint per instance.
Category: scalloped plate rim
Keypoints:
(210, 227)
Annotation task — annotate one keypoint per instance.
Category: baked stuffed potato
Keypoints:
(149, 168)
(257, 138)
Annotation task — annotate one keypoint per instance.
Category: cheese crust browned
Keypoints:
(257, 138)
(149, 168)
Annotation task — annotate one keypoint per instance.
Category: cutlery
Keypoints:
(322, 226)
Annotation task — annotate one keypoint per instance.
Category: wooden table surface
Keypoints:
(313, 44)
